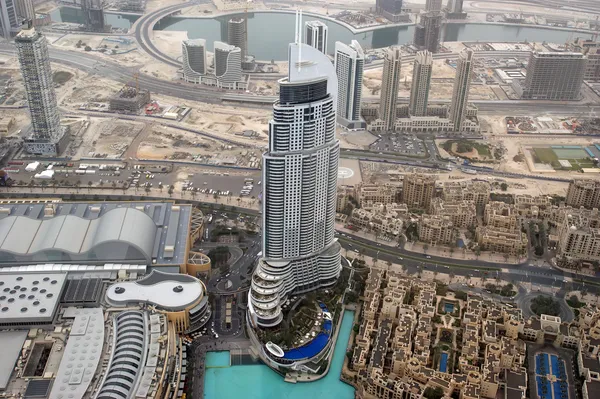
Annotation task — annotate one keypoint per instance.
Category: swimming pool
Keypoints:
(448, 307)
(260, 382)
(443, 362)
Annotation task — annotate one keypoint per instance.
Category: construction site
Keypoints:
(129, 99)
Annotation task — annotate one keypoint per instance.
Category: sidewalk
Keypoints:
(460, 253)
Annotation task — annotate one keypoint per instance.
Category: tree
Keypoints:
(125, 187)
(433, 393)
(87, 48)
(79, 44)
(425, 247)
(170, 191)
(90, 184)
(77, 185)
(160, 186)
(31, 184)
(43, 184)
(147, 190)
(114, 184)
(503, 186)
(545, 305)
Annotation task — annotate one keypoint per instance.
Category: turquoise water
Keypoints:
(217, 359)
(448, 307)
(260, 382)
(75, 16)
(443, 362)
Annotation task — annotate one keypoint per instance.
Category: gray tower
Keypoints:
(194, 60)
(389, 88)
(460, 92)
(433, 5)
(316, 35)
(33, 56)
(25, 9)
(455, 10)
(428, 31)
(300, 251)
(421, 80)
(553, 76)
(237, 34)
(349, 65)
(8, 18)
(93, 13)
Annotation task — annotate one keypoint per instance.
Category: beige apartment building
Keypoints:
(462, 213)
(377, 193)
(584, 192)
(418, 190)
(579, 235)
(501, 215)
(476, 191)
(385, 223)
(436, 230)
(497, 239)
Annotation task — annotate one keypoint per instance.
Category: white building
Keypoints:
(25, 9)
(421, 81)
(349, 65)
(228, 65)
(316, 35)
(47, 135)
(194, 60)
(9, 23)
(300, 252)
(460, 92)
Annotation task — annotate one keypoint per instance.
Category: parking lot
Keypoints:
(406, 144)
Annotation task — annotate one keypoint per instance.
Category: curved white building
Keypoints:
(300, 253)
(228, 65)
(194, 60)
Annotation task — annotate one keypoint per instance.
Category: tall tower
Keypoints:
(421, 80)
(349, 65)
(228, 65)
(93, 13)
(300, 252)
(428, 31)
(194, 59)
(433, 5)
(8, 18)
(389, 88)
(460, 92)
(33, 56)
(316, 35)
(237, 34)
(25, 9)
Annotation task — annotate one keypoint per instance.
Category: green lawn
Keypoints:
(545, 155)
(482, 149)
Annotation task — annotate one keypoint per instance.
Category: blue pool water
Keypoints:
(218, 359)
(444, 362)
(259, 381)
(541, 383)
(551, 364)
(448, 307)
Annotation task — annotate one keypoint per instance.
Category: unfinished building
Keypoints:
(129, 99)
(133, 5)
(93, 13)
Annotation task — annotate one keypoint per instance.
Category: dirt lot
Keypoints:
(107, 138)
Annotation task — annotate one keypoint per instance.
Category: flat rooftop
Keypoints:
(148, 232)
(30, 298)
(11, 343)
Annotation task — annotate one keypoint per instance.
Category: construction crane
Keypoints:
(595, 35)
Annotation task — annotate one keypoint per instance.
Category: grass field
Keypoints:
(548, 156)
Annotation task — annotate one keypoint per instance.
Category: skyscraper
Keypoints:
(228, 65)
(433, 5)
(427, 32)
(392, 10)
(316, 35)
(237, 34)
(194, 60)
(25, 9)
(93, 14)
(8, 18)
(553, 76)
(421, 80)
(455, 10)
(460, 92)
(300, 252)
(33, 56)
(349, 64)
(389, 88)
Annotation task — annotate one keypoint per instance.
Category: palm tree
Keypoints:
(30, 184)
(147, 189)
(55, 184)
(114, 184)
(160, 187)
(77, 185)
(216, 197)
(425, 247)
(171, 190)
(90, 184)
(137, 185)
(125, 187)
(43, 184)
(20, 183)
(194, 194)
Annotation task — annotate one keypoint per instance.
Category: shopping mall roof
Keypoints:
(29, 298)
(133, 232)
(82, 353)
(165, 290)
(11, 343)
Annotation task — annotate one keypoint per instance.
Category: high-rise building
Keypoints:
(552, 76)
(316, 35)
(427, 32)
(237, 34)
(391, 10)
(433, 5)
(93, 14)
(583, 192)
(8, 18)
(591, 49)
(25, 9)
(33, 56)
(349, 64)
(228, 65)
(418, 190)
(300, 252)
(455, 10)
(389, 88)
(194, 60)
(421, 80)
(460, 92)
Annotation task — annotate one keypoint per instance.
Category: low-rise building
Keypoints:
(462, 213)
(476, 191)
(436, 230)
(508, 241)
(377, 193)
